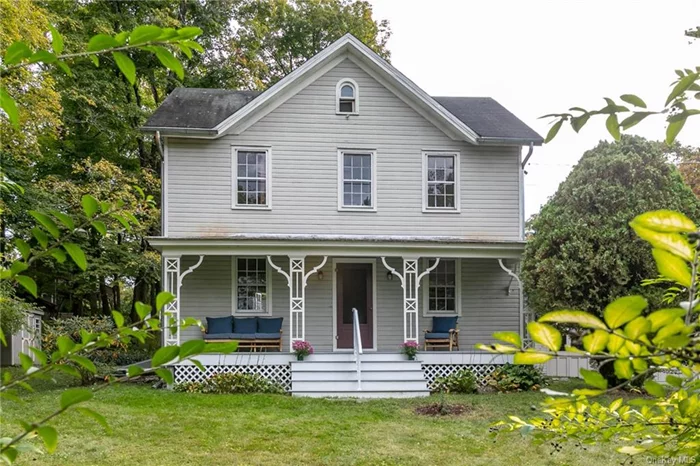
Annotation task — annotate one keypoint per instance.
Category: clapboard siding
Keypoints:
(304, 135)
(486, 307)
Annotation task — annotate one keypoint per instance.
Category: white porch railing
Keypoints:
(357, 345)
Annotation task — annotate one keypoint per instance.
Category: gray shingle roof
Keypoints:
(192, 108)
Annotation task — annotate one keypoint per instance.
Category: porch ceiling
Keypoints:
(340, 245)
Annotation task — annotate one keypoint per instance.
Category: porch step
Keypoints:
(351, 375)
(364, 394)
(323, 366)
(349, 356)
(351, 385)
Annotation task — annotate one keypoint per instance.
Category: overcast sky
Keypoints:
(537, 57)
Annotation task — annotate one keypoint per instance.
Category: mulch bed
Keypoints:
(443, 409)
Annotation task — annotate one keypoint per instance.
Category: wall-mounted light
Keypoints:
(389, 276)
(320, 274)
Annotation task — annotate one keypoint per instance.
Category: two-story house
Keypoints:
(343, 186)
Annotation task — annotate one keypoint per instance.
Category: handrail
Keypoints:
(357, 345)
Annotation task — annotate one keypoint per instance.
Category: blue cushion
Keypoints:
(245, 325)
(270, 325)
(436, 335)
(219, 336)
(444, 324)
(267, 336)
(243, 336)
(219, 324)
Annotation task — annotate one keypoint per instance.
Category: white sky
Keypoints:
(538, 57)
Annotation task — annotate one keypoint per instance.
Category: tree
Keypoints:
(581, 254)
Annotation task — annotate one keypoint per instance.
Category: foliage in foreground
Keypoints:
(231, 383)
(638, 341)
(462, 381)
(516, 378)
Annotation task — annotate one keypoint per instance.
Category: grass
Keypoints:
(159, 427)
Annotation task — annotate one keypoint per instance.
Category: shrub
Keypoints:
(516, 378)
(462, 381)
(231, 383)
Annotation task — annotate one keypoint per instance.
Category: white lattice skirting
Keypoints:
(481, 371)
(280, 373)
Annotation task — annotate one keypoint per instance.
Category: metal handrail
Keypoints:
(357, 345)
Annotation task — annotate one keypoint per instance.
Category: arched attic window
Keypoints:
(347, 97)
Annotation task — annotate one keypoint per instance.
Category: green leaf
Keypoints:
(615, 343)
(143, 34)
(18, 267)
(579, 122)
(65, 344)
(63, 66)
(613, 126)
(96, 416)
(189, 32)
(665, 221)
(40, 355)
(681, 86)
(191, 347)
(84, 362)
(170, 61)
(194, 45)
(223, 348)
(27, 283)
(68, 369)
(509, 337)
(581, 318)
(674, 327)
(74, 396)
(47, 223)
(56, 40)
(166, 375)
(551, 134)
(671, 242)
(118, 319)
(634, 100)
(663, 317)
(595, 342)
(8, 105)
(100, 227)
(23, 248)
(673, 129)
(165, 355)
(531, 358)
(674, 381)
(16, 52)
(25, 361)
(142, 309)
(622, 310)
(672, 266)
(126, 66)
(134, 371)
(675, 342)
(76, 254)
(630, 450)
(95, 60)
(41, 237)
(623, 368)
(49, 436)
(123, 221)
(634, 119)
(42, 56)
(90, 205)
(102, 42)
(594, 379)
(163, 298)
(637, 327)
(545, 334)
(66, 220)
(654, 388)
(59, 255)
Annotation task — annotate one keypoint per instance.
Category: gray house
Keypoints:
(343, 186)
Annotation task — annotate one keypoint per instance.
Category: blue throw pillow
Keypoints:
(444, 324)
(219, 324)
(270, 325)
(245, 324)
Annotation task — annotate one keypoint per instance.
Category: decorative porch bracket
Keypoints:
(297, 280)
(521, 313)
(173, 283)
(410, 282)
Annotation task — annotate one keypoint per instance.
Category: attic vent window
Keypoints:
(347, 98)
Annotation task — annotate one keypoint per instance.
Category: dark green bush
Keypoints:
(231, 383)
(516, 378)
(462, 381)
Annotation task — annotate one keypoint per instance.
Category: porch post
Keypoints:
(521, 308)
(171, 312)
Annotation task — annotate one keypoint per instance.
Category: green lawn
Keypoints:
(163, 427)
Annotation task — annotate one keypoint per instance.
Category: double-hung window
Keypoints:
(251, 281)
(251, 169)
(442, 294)
(357, 180)
(441, 181)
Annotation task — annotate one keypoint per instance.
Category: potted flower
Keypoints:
(302, 349)
(410, 349)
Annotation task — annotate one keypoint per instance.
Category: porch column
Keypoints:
(171, 311)
(521, 308)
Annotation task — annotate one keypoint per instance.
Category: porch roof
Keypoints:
(339, 245)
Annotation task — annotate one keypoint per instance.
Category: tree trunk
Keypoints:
(104, 297)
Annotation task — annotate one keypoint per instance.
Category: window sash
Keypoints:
(441, 185)
(442, 291)
(357, 183)
(251, 277)
(252, 172)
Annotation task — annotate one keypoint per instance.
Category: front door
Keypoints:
(354, 288)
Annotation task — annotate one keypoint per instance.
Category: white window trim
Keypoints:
(458, 290)
(234, 288)
(337, 96)
(234, 177)
(341, 179)
(444, 210)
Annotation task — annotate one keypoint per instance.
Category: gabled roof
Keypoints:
(209, 113)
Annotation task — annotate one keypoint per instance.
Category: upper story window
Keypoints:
(441, 181)
(347, 97)
(442, 295)
(356, 184)
(251, 281)
(251, 167)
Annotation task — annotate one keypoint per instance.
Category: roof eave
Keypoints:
(208, 133)
(499, 141)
